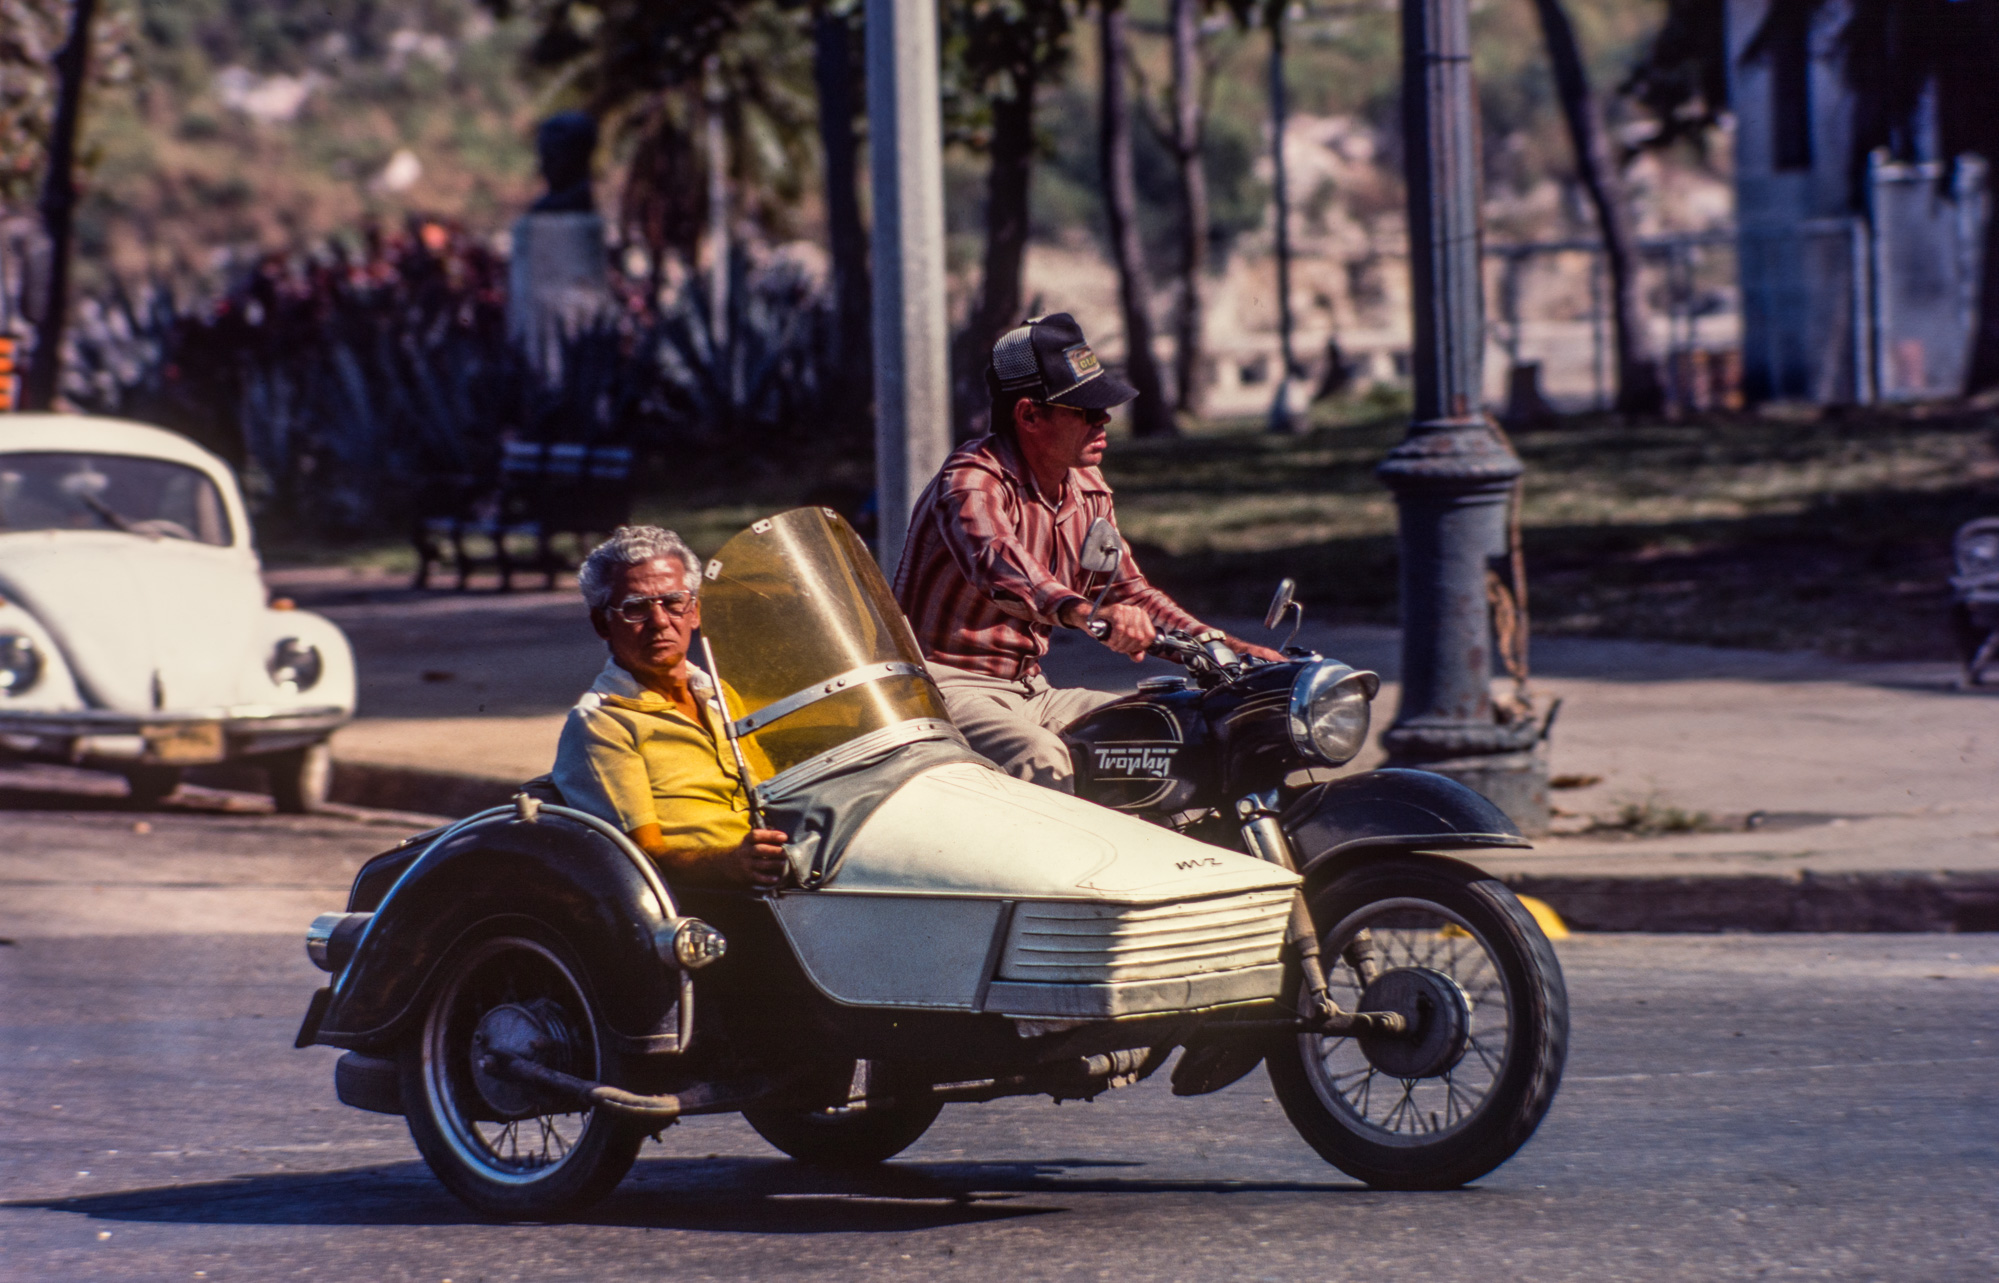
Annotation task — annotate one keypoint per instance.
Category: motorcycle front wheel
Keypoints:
(504, 1150)
(1465, 1087)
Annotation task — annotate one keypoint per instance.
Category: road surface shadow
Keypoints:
(720, 1195)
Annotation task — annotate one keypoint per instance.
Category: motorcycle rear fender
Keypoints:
(550, 876)
(1392, 809)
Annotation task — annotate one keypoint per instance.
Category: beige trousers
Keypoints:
(1014, 723)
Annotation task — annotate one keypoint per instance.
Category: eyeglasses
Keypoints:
(638, 610)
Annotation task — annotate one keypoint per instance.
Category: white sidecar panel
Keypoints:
(965, 830)
(893, 951)
(970, 890)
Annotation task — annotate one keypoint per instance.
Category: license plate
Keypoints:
(186, 744)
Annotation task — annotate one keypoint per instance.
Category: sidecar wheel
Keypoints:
(1461, 956)
(502, 1149)
(845, 1137)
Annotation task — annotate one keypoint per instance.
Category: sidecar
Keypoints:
(530, 995)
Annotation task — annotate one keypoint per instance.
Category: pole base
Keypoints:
(1516, 783)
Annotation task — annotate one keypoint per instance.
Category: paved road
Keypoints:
(1818, 1106)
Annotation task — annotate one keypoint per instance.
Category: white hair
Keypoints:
(632, 546)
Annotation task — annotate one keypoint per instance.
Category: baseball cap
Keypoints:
(1048, 359)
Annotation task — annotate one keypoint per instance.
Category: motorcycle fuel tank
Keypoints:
(1145, 753)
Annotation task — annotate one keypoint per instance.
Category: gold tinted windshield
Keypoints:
(809, 638)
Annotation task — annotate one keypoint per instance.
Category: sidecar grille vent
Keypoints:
(1067, 943)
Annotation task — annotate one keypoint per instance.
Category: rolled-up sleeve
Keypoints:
(599, 769)
(1132, 588)
(986, 545)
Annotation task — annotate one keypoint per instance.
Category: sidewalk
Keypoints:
(1819, 795)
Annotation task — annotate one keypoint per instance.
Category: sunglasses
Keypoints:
(638, 610)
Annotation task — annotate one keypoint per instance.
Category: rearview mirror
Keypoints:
(1280, 603)
(1103, 550)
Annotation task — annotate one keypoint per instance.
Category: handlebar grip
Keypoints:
(1098, 628)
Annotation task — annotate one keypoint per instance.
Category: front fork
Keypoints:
(1264, 836)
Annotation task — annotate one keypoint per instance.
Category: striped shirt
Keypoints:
(991, 562)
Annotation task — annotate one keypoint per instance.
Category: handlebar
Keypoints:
(1202, 654)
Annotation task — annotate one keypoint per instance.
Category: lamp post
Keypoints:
(912, 378)
(1454, 474)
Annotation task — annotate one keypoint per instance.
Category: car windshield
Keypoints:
(49, 490)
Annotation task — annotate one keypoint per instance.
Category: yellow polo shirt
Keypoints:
(629, 756)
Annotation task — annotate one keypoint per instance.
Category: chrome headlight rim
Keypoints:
(21, 664)
(1325, 680)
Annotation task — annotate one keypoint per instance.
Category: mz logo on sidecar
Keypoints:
(1133, 761)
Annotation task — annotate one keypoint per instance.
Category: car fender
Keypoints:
(55, 690)
(1392, 809)
(550, 875)
(335, 686)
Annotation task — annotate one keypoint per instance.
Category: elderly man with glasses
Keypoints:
(992, 563)
(644, 748)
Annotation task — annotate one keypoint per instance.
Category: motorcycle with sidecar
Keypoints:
(529, 994)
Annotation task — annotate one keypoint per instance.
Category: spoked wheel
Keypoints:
(846, 1136)
(1457, 1094)
(504, 1148)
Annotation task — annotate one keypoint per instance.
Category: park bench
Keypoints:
(539, 491)
(1975, 595)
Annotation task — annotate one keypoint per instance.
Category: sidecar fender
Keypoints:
(1394, 809)
(549, 876)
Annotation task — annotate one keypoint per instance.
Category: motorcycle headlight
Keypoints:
(20, 664)
(295, 664)
(1329, 712)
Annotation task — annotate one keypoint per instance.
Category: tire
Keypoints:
(300, 778)
(151, 785)
(1465, 950)
(845, 1137)
(474, 1148)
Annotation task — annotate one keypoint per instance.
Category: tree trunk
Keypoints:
(1150, 415)
(833, 77)
(1985, 338)
(1283, 417)
(1007, 184)
(58, 206)
(1009, 178)
(1189, 373)
(1638, 387)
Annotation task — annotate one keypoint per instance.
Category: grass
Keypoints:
(1829, 532)
(1817, 532)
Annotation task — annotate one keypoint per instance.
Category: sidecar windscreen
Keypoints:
(809, 639)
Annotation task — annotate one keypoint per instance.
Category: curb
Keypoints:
(403, 788)
(1847, 902)
(1844, 902)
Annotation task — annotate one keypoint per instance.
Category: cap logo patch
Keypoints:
(1082, 362)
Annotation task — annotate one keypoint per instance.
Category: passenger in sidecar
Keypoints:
(644, 749)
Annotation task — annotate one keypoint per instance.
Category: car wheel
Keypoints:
(846, 1136)
(505, 1149)
(301, 778)
(152, 785)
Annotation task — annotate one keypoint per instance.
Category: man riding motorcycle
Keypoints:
(993, 559)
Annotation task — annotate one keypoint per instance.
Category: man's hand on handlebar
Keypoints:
(1264, 653)
(1125, 629)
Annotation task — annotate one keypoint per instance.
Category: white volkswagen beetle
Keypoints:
(135, 632)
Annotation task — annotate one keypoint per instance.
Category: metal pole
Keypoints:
(1454, 473)
(912, 381)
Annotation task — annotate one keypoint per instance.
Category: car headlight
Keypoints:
(295, 664)
(1329, 712)
(20, 664)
